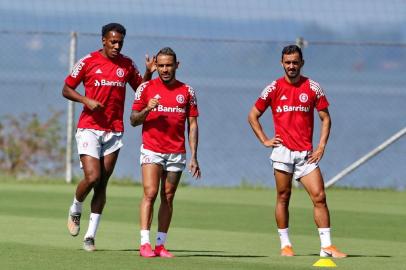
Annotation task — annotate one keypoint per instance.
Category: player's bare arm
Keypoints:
(138, 117)
(316, 155)
(253, 119)
(73, 95)
(149, 68)
(193, 132)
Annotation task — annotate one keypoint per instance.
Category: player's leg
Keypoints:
(107, 164)
(173, 167)
(283, 182)
(169, 184)
(91, 170)
(151, 174)
(88, 143)
(314, 185)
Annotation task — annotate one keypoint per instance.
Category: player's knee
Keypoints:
(284, 196)
(167, 198)
(92, 178)
(319, 199)
(150, 194)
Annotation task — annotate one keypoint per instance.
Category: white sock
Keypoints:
(93, 224)
(325, 237)
(160, 238)
(76, 206)
(145, 237)
(284, 237)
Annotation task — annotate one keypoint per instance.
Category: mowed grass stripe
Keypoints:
(209, 230)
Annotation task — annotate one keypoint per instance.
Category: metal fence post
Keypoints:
(366, 157)
(70, 113)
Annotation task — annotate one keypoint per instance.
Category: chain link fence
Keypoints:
(364, 83)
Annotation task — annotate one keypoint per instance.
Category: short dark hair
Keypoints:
(291, 49)
(113, 27)
(167, 51)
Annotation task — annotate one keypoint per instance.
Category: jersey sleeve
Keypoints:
(192, 111)
(265, 98)
(140, 101)
(135, 78)
(321, 100)
(78, 72)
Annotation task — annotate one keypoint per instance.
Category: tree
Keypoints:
(29, 146)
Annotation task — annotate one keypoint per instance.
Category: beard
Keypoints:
(292, 74)
(167, 78)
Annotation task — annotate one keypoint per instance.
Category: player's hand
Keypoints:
(315, 156)
(93, 105)
(152, 104)
(274, 142)
(150, 63)
(194, 168)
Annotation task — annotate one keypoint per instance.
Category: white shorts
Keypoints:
(97, 143)
(170, 162)
(289, 161)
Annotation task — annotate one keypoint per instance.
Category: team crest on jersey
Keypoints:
(180, 99)
(303, 97)
(120, 72)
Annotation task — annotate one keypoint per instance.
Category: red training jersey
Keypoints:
(292, 108)
(164, 128)
(104, 80)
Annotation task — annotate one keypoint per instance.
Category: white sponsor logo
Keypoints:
(78, 66)
(109, 83)
(193, 98)
(180, 99)
(265, 93)
(287, 108)
(120, 72)
(303, 97)
(316, 88)
(176, 109)
(98, 71)
(139, 91)
(284, 97)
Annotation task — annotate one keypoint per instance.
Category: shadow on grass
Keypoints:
(220, 256)
(353, 256)
(198, 253)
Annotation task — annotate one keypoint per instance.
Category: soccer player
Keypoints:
(292, 100)
(104, 74)
(162, 106)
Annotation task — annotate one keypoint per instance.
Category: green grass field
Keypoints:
(213, 228)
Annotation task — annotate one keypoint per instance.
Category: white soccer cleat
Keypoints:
(88, 244)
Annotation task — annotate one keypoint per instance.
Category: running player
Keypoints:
(162, 106)
(292, 100)
(104, 74)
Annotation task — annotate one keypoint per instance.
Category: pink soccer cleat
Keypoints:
(146, 251)
(161, 251)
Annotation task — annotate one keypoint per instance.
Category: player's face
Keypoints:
(166, 67)
(292, 64)
(112, 44)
